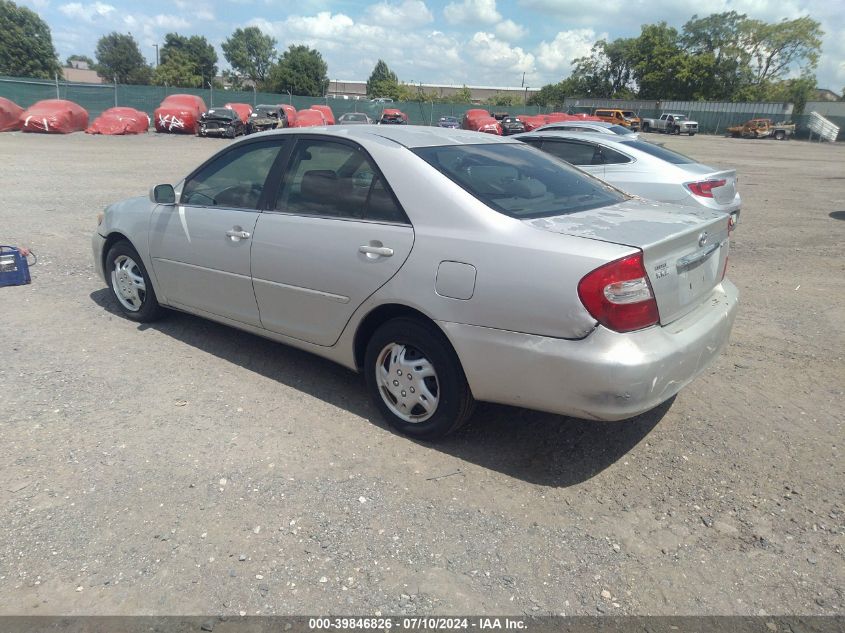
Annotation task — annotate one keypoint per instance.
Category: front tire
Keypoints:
(415, 379)
(130, 284)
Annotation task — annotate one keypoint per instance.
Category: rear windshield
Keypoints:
(660, 152)
(518, 180)
(621, 130)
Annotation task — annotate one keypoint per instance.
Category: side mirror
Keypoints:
(163, 194)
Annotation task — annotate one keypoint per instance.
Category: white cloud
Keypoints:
(557, 55)
(510, 30)
(87, 12)
(407, 14)
(472, 12)
(488, 51)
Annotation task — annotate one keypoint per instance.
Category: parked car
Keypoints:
(671, 124)
(488, 125)
(596, 127)
(223, 122)
(120, 121)
(625, 118)
(512, 125)
(467, 122)
(446, 266)
(179, 114)
(532, 121)
(450, 122)
(309, 118)
(328, 115)
(644, 169)
(266, 117)
(354, 118)
(382, 100)
(392, 116)
(54, 116)
(10, 115)
(243, 110)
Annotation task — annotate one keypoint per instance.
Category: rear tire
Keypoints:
(130, 284)
(780, 135)
(415, 379)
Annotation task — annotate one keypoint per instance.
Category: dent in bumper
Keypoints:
(604, 376)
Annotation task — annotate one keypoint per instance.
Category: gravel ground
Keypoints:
(188, 468)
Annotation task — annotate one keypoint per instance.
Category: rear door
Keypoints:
(334, 235)
(200, 248)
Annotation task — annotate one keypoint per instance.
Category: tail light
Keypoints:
(619, 296)
(704, 188)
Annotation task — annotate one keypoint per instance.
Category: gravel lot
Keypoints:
(188, 468)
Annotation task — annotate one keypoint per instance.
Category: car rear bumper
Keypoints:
(604, 376)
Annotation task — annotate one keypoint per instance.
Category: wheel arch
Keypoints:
(113, 238)
(380, 315)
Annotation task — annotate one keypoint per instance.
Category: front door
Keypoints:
(200, 248)
(334, 236)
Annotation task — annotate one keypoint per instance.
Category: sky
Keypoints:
(473, 42)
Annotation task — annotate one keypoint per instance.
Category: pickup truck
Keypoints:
(671, 124)
(763, 128)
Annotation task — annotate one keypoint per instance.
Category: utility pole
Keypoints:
(156, 47)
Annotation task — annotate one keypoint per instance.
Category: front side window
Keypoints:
(235, 179)
(519, 181)
(336, 180)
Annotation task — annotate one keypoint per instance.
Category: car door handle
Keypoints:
(382, 251)
(237, 234)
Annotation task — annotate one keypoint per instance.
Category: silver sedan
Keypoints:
(596, 127)
(644, 169)
(448, 266)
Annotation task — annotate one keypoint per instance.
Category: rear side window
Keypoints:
(519, 181)
(660, 152)
(572, 152)
(336, 180)
(612, 157)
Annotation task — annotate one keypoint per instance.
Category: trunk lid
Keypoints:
(684, 250)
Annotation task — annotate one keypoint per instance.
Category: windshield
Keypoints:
(629, 113)
(661, 152)
(518, 180)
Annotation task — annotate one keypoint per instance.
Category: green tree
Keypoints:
(74, 59)
(194, 51)
(383, 82)
(300, 71)
(26, 46)
(504, 100)
(779, 47)
(178, 70)
(464, 95)
(720, 39)
(796, 91)
(118, 56)
(250, 53)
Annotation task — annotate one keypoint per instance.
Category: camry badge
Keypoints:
(702, 239)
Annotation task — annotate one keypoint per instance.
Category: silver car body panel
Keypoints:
(309, 295)
(651, 177)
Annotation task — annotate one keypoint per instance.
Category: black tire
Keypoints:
(646, 127)
(692, 133)
(422, 341)
(780, 135)
(148, 308)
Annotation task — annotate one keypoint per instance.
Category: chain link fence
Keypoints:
(713, 117)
